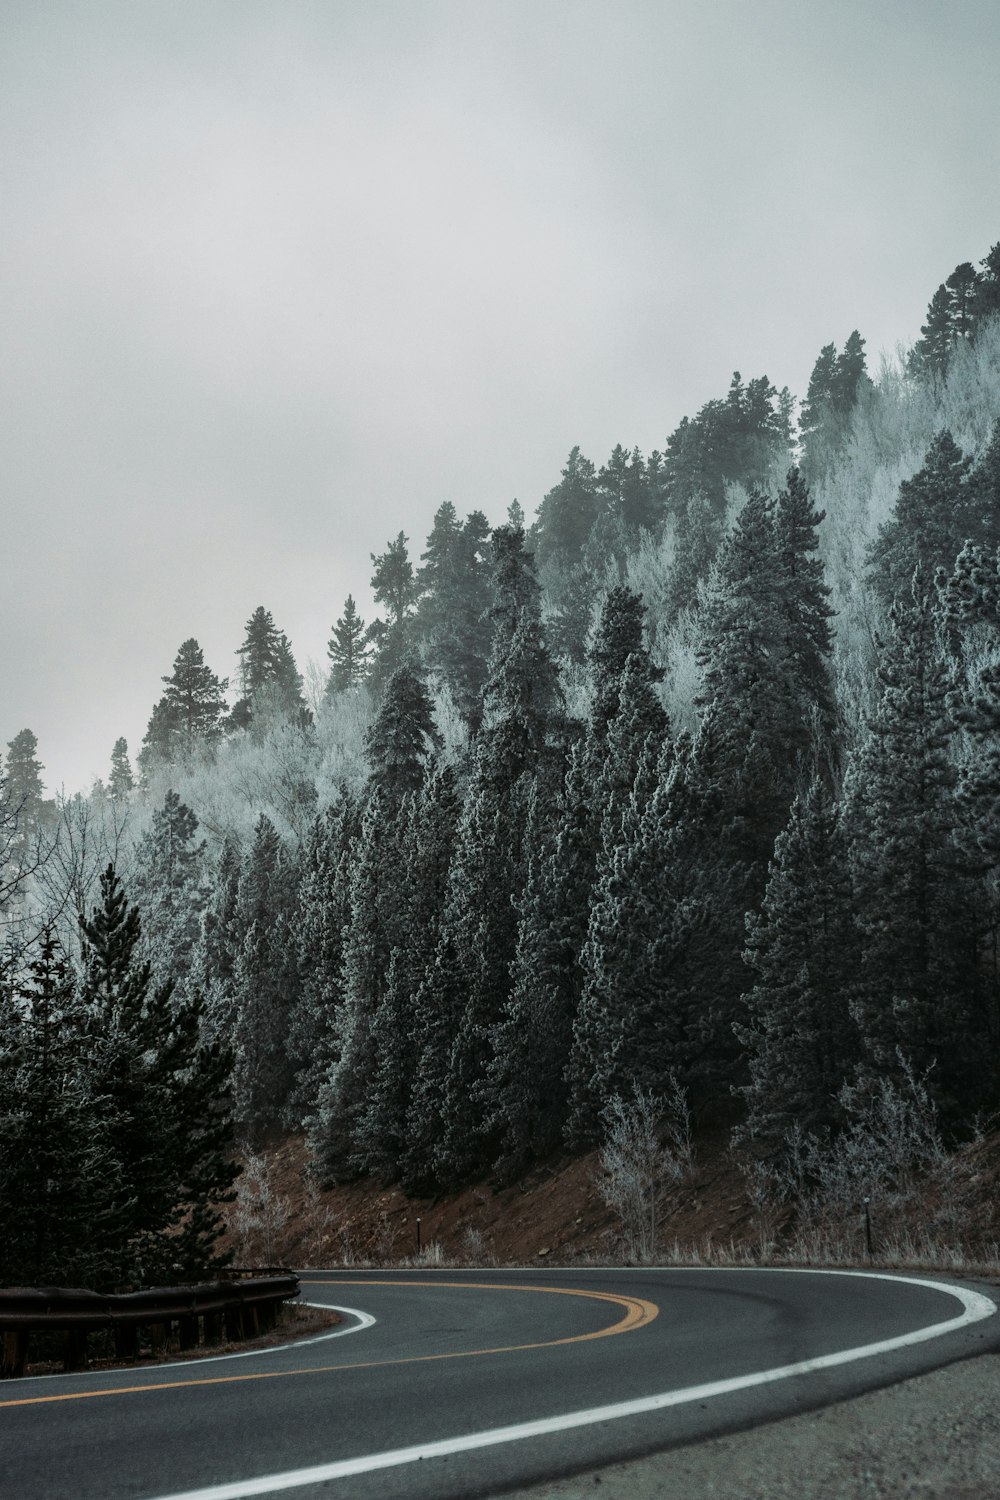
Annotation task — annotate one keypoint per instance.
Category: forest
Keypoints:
(690, 783)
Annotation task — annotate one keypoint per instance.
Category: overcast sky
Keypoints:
(279, 277)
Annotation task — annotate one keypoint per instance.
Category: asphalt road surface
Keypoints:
(447, 1384)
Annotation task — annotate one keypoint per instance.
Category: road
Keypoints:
(468, 1382)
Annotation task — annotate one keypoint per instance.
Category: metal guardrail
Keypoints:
(236, 1309)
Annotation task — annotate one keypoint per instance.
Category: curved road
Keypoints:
(468, 1382)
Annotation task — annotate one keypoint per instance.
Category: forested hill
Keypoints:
(694, 780)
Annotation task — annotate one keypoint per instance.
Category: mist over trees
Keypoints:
(694, 780)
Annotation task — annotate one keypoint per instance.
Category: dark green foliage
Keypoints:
(619, 636)
(321, 917)
(525, 1090)
(403, 736)
(919, 992)
(269, 679)
(802, 949)
(23, 787)
(567, 514)
(834, 387)
(987, 299)
(121, 781)
(170, 889)
(392, 580)
(62, 1203)
(164, 1103)
(190, 716)
(936, 511)
(628, 503)
(264, 985)
(348, 650)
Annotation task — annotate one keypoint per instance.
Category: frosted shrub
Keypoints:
(887, 1153)
(258, 1215)
(647, 1145)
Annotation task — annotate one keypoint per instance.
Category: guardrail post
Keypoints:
(75, 1349)
(234, 1323)
(187, 1331)
(126, 1340)
(15, 1353)
(157, 1337)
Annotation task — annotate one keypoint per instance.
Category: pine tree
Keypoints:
(805, 598)
(931, 354)
(919, 993)
(170, 889)
(403, 735)
(567, 514)
(269, 679)
(399, 1029)
(987, 300)
(121, 781)
(190, 716)
(24, 787)
(337, 1131)
(619, 636)
(166, 1100)
(321, 918)
(936, 511)
(521, 719)
(453, 611)
(525, 1091)
(62, 1202)
(348, 650)
(802, 949)
(265, 983)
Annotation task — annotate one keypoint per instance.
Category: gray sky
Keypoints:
(277, 277)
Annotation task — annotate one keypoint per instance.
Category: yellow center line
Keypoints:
(638, 1312)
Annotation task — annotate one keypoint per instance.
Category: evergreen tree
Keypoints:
(919, 994)
(191, 714)
(987, 299)
(349, 649)
(525, 1091)
(453, 612)
(166, 1105)
(24, 786)
(269, 679)
(931, 354)
(522, 702)
(399, 1028)
(567, 514)
(403, 735)
(619, 636)
(802, 949)
(265, 983)
(170, 890)
(61, 1198)
(337, 1131)
(392, 580)
(805, 599)
(936, 511)
(321, 918)
(121, 781)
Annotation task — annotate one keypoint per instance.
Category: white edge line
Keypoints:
(975, 1306)
(365, 1320)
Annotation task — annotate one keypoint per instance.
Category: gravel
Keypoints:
(933, 1438)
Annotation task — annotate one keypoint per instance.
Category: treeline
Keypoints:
(696, 778)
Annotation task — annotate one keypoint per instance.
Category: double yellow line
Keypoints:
(638, 1312)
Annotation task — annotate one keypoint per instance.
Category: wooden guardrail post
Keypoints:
(15, 1353)
(75, 1348)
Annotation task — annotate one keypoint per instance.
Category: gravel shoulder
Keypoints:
(936, 1437)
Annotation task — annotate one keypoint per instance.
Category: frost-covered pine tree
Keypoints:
(265, 982)
(919, 993)
(802, 950)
